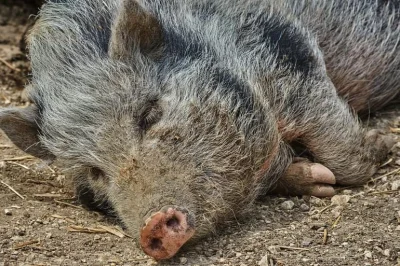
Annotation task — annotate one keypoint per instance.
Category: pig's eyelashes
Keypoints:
(149, 117)
(97, 174)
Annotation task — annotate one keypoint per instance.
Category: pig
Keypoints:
(175, 116)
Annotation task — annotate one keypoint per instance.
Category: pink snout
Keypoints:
(166, 231)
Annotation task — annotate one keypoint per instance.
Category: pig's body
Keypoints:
(195, 104)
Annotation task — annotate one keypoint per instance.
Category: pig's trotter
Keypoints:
(306, 178)
(166, 231)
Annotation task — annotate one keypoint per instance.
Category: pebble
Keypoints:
(264, 261)
(347, 192)
(274, 249)
(7, 212)
(368, 254)
(316, 226)
(395, 185)
(306, 242)
(183, 260)
(386, 252)
(340, 200)
(287, 205)
(316, 201)
(304, 207)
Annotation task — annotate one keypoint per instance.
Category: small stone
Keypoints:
(49, 235)
(238, 254)
(306, 242)
(287, 205)
(368, 254)
(398, 228)
(264, 261)
(386, 252)
(7, 212)
(304, 207)
(183, 260)
(21, 232)
(274, 249)
(397, 162)
(2, 164)
(347, 192)
(317, 226)
(337, 211)
(340, 200)
(395, 185)
(97, 237)
(316, 201)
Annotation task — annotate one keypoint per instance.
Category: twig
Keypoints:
(24, 244)
(19, 158)
(384, 192)
(324, 209)
(387, 162)
(112, 231)
(20, 165)
(395, 130)
(13, 190)
(382, 176)
(63, 218)
(335, 223)
(48, 183)
(5, 146)
(293, 248)
(68, 204)
(9, 65)
(90, 230)
(325, 239)
(47, 195)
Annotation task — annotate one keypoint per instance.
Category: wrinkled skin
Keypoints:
(175, 116)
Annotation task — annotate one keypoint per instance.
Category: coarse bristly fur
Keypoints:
(200, 112)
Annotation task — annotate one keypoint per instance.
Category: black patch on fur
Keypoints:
(290, 46)
(231, 84)
(178, 47)
(87, 197)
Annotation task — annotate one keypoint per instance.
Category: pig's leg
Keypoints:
(338, 143)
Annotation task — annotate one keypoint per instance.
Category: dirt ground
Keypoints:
(359, 227)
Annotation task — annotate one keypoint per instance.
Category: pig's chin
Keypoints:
(166, 231)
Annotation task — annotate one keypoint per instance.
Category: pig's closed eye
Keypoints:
(97, 174)
(151, 115)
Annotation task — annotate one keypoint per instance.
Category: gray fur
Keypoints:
(207, 122)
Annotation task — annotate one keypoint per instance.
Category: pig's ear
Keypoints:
(20, 125)
(134, 30)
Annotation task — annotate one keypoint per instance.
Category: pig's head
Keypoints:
(174, 161)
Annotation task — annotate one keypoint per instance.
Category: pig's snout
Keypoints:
(166, 231)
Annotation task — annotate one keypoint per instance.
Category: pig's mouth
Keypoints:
(166, 231)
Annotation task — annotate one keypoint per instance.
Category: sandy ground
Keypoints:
(359, 227)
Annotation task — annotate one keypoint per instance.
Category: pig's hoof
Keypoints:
(306, 178)
(166, 231)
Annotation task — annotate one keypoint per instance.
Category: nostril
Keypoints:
(155, 244)
(173, 223)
